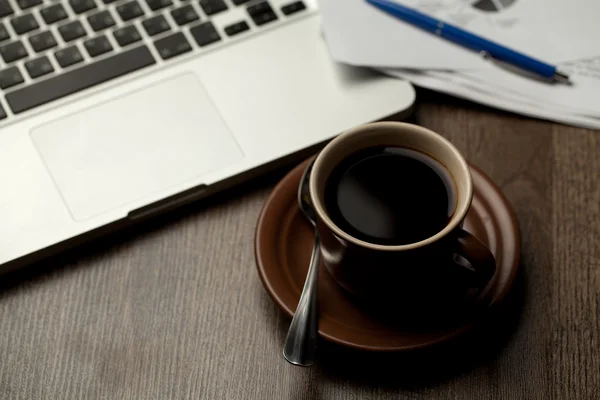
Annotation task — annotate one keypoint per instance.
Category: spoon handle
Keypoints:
(301, 341)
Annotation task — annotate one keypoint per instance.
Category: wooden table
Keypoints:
(175, 309)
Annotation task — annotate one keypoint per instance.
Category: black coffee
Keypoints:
(390, 195)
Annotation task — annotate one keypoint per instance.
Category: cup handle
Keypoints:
(483, 262)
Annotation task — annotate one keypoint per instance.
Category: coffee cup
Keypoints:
(379, 192)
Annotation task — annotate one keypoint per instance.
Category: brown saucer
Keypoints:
(283, 246)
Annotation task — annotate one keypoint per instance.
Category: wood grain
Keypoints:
(175, 310)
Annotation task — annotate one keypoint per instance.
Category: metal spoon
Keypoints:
(301, 341)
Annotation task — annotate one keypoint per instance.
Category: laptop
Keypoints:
(113, 111)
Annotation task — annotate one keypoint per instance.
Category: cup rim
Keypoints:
(457, 218)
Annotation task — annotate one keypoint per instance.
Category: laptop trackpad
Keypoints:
(134, 146)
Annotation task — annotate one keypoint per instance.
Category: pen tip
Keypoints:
(562, 77)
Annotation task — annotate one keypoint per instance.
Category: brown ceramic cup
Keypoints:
(431, 271)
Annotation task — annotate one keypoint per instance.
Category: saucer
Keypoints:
(283, 245)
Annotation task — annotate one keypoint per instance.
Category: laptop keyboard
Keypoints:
(51, 49)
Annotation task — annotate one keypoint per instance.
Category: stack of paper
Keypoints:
(560, 32)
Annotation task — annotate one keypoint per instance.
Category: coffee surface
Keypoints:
(390, 195)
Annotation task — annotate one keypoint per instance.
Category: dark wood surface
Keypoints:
(175, 309)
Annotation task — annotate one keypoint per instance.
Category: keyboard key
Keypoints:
(42, 41)
(205, 34)
(4, 35)
(236, 28)
(24, 23)
(53, 14)
(13, 51)
(81, 6)
(211, 7)
(261, 13)
(2, 112)
(172, 45)
(68, 56)
(10, 77)
(25, 4)
(98, 45)
(101, 20)
(5, 8)
(108, 1)
(78, 79)
(156, 25)
(158, 4)
(184, 15)
(130, 10)
(38, 67)
(292, 8)
(127, 35)
(71, 31)
(238, 2)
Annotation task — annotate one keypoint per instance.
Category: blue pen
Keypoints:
(461, 37)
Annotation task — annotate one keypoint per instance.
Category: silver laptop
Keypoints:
(115, 110)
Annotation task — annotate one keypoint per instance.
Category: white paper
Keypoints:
(359, 34)
(551, 30)
(582, 97)
(493, 97)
